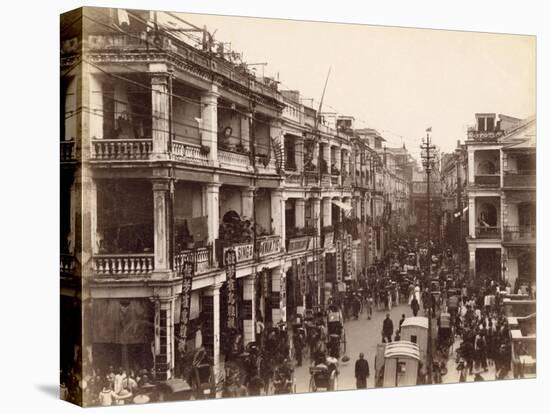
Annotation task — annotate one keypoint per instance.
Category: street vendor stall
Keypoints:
(415, 329)
(401, 359)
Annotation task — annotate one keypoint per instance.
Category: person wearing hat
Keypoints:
(361, 372)
(387, 329)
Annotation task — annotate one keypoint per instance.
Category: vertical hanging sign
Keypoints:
(230, 261)
(302, 274)
(282, 296)
(349, 257)
(187, 281)
(338, 260)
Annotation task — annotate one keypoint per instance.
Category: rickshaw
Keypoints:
(336, 335)
(283, 380)
(324, 376)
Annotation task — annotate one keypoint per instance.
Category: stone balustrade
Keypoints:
(121, 149)
(123, 264)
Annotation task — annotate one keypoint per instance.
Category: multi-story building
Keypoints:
(174, 153)
(171, 157)
(501, 198)
(454, 221)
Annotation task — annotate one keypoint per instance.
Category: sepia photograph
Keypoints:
(263, 206)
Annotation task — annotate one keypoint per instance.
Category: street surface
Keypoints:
(362, 335)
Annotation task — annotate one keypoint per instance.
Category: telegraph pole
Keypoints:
(428, 162)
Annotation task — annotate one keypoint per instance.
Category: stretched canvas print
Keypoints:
(259, 206)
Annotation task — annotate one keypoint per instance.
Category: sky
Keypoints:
(397, 80)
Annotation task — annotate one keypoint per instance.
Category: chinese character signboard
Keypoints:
(243, 252)
(230, 260)
(349, 257)
(339, 263)
(187, 274)
(302, 274)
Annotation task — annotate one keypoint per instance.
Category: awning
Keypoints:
(346, 207)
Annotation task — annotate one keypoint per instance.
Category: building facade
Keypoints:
(501, 198)
(198, 198)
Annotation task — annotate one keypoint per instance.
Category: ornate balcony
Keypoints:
(520, 234)
(189, 153)
(520, 179)
(487, 180)
(201, 257)
(473, 134)
(233, 160)
(123, 265)
(488, 232)
(67, 151)
(67, 264)
(121, 149)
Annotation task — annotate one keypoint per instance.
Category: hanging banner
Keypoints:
(302, 275)
(349, 257)
(339, 264)
(187, 273)
(282, 296)
(230, 260)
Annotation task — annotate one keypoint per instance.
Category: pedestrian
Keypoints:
(369, 306)
(401, 321)
(387, 329)
(361, 371)
(415, 306)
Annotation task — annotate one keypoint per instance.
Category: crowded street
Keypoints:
(240, 238)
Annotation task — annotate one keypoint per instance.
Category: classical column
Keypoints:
(249, 307)
(278, 213)
(214, 292)
(164, 335)
(85, 232)
(472, 260)
(209, 122)
(327, 211)
(472, 217)
(160, 103)
(247, 199)
(316, 213)
(326, 155)
(161, 227)
(300, 213)
(338, 158)
(245, 130)
(212, 210)
(471, 166)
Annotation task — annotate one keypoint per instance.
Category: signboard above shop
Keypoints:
(243, 252)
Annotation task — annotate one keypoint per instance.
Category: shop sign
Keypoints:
(328, 242)
(243, 252)
(270, 245)
(230, 260)
(349, 258)
(298, 244)
(187, 281)
(339, 264)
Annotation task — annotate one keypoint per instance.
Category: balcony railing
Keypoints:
(201, 257)
(484, 135)
(189, 153)
(488, 232)
(522, 178)
(123, 264)
(67, 264)
(311, 178)
(487, 180)
(233, 160)
(121, 149)
(67, 151)
(520, 233)
(294, 179)
(334, 179)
